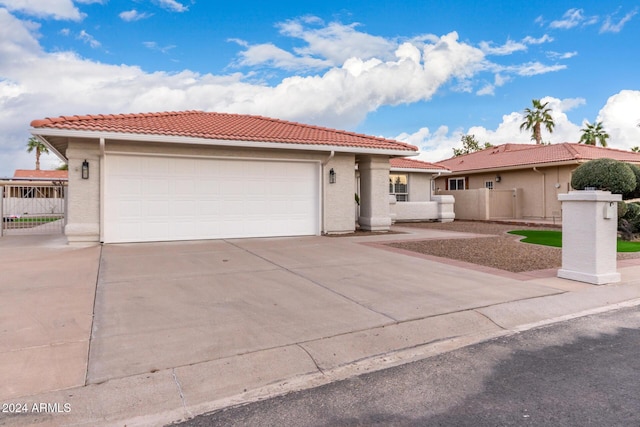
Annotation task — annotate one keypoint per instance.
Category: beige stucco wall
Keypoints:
(83, 219)
(374, 193)
(537, 191)
(339, 198)
(470, 205)
(83, 195)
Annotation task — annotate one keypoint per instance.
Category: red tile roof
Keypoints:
(220, 126)
(509, 156)
(405, 163)
(40, 174)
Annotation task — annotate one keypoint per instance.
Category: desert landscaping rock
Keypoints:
(498, 250)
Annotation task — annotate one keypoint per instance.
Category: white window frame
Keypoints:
(401, 196)
(457, 180)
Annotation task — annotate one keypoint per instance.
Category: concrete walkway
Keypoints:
(178, 329)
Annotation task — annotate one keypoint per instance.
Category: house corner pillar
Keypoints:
(83, 197)
(374, 193)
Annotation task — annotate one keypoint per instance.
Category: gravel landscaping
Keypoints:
(498, 249)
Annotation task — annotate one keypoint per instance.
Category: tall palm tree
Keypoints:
(36, 144)
(534, 118)
(594, 133)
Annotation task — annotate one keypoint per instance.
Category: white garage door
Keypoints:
(165, 198)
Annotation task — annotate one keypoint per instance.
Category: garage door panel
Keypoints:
(157, 198)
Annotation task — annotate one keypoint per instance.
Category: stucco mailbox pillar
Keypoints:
(589, 235)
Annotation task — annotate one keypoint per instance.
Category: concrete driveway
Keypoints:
(164, 305)
(164, 331)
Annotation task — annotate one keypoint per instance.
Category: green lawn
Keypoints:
(38, 219)
(554, 238)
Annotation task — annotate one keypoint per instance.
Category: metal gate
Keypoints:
(33, 208)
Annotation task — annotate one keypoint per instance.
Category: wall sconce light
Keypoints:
(332, 176)
(498, 178)
(85, 169)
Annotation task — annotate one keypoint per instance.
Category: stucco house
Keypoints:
(520, 181)
(201, 175)
(411, 187)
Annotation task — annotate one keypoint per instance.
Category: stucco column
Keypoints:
(83, 196)
(374, 193)
(589, 236)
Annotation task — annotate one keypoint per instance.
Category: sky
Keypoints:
(424, 72)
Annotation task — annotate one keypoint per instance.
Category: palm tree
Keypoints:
(36, 144)
(594, 133)
(533, 119)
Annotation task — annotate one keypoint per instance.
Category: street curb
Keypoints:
(177, 394)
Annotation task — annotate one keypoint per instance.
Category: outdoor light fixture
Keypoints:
(498, 178)
(85, 169)
(332, 176)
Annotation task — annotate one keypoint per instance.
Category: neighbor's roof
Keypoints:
(217, 126)
(40, 174)
(413, 164)
(516, 156)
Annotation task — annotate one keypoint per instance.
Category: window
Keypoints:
(488, 184)
(398, 187)
(456, 183)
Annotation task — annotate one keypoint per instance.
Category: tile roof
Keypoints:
(520, 155)
(40, 174)
(405, 163)
(220, 126)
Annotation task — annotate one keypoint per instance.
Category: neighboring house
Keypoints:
(520, 181)
(411, 183)
(198, 175)
(33, 192)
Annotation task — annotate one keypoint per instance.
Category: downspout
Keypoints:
(324, 214)
(544, 192)
(102, 162)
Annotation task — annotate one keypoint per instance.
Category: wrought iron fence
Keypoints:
(33, 208)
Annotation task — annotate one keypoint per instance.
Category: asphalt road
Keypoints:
(583, 372)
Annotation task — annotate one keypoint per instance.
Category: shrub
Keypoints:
(604, 174)
(622, 209)
(635, 193)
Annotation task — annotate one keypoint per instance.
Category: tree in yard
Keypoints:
(535, 118)
(635, 149)
(469, 145)
(592, 134)
(39, 147)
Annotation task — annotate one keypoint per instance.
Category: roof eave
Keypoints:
(43, 132)
(396, 169)
(521, 167)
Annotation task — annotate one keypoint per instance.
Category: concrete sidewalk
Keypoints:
(189, 327)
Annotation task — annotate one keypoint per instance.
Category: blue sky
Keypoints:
(425, 72)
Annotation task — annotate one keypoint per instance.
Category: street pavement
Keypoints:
(148, 334)
(582, 372)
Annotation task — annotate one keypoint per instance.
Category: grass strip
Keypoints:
(554, 238)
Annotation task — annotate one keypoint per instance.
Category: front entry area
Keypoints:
(163, 198)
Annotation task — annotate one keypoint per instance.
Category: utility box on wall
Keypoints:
(589, 236)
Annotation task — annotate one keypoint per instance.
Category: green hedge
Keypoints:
(605, 174)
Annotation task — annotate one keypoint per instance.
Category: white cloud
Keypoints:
(337, 42)
(609, 26)
(172, 5)
(532, 68)
(558, 55)
(133, 15)
(621, 117)
(56, 9)
(439, 145)
(270, 55)
(511, 46)
(572, 18)
(531, 40)
(506, 49)
(155, 46)
(88, 39)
